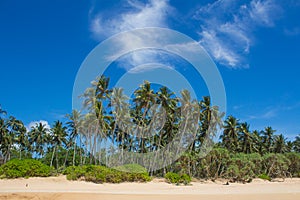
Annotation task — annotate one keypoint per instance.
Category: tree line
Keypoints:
(106, 112)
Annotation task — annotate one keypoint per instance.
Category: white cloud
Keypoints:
(220, 51)
(148, 67)
(152, 14)
(263, 12)
(34, 123)
(226, 28)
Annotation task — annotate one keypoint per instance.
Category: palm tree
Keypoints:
(16, 134)
(59, 135)
(296, 144)
(74, 124)
(38, 138)
(144, 97)
(257, 142)
(95, 98)
(6, 140)
(230, 134)
(280, 144)
(3, 129)
(246, 138)
(21, 138)
(268, 138)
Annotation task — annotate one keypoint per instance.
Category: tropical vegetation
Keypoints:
(77, 147)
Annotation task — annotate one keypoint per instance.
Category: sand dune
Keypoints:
(60, 188)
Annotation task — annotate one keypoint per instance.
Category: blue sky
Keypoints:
(254, 43)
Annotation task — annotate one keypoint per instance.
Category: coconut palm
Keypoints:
(58, 136)
(38, 138)
(257, 142)
(246, 138)
(280, 144)
(21, 137)
(6, 140)
(74, 124)
(296, 144)
(268, 138)
(144, 98)
(230, 134)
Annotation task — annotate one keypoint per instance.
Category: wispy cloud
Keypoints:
(148, 67)
(140, 15)
(226, 27)
(152, 14)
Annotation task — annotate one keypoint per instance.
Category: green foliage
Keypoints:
(275, 165)
(131, 168)
(102, 174)
(74, 172)
(264, 177)
(294, 164)
(241, 168)
(24, 168)
(178, 179)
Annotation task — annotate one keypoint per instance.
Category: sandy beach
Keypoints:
(60, 188)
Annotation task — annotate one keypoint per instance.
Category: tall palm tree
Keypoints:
(20, 132)
(280, 144)
(95, 99)
(17, 133)
(38, 138)
(246, 138)
(144, 98)
(6, 140)
(257, 142)
(296, 144)
(59, 135)
(268, 138)
(230, 134)
(74, 124)
(3, 129)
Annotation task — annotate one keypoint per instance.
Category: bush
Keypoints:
(240, 169)
(276, 165)
(132, 168)
(102, 174)
(74, 173)
(294, 164)
(178, 179)
(25, 168)
(264, 177)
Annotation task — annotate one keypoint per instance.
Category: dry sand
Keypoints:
(60, 188)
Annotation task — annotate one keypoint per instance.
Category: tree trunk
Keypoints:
(51, 164)
(74, 154)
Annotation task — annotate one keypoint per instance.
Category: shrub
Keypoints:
(275, 165)
(294, 164)
(102, 174)
(172, 177)
(178, 179)
(213, 165)
(264, 177)
(74, 172)
(132, 168)
(240, 169)
(25, 168)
